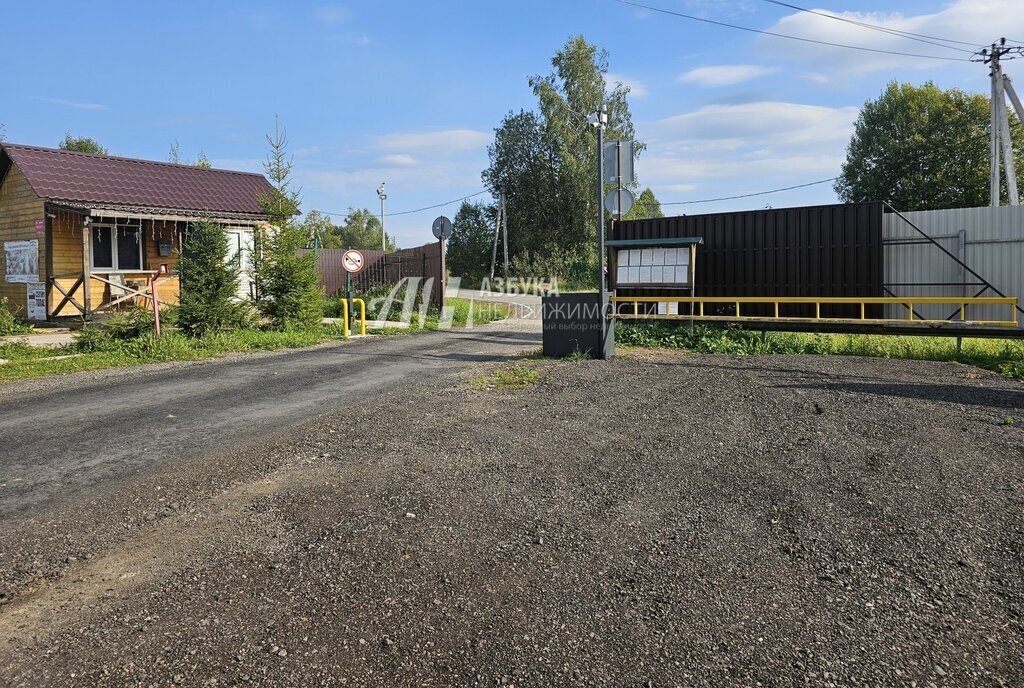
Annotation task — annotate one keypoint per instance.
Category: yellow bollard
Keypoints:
(362, 316)
(344, 318)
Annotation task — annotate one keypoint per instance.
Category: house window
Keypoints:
(117, 249)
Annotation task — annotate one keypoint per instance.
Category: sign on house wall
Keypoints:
(36, 300)
(21, 261)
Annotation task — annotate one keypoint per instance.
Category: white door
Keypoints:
(240, 248)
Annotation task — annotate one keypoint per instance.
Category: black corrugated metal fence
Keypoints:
(830, 250)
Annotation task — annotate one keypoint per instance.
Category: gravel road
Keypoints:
(656, 520)
(69, 433)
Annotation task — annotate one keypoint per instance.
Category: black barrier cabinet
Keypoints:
(572, 323)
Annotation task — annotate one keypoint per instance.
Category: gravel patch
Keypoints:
(661, 519)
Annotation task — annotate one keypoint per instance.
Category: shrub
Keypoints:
(116, 329)
(9, 324)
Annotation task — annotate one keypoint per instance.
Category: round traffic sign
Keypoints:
(442, 228)
(611, 201)
(352, 260)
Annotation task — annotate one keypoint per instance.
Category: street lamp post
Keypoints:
(383, 233)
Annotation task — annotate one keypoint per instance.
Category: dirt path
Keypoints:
(656, 520)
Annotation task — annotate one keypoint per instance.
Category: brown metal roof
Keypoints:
(103, 180)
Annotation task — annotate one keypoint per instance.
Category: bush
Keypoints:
(9, 324)
(115, 330)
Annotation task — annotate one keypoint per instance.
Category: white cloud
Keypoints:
(449, 141)
(736, 148)
(724, 75)
(75, 104)
(963, 20)
(397, 160)
(636, 87)
(757, 124)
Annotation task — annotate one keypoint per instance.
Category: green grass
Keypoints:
(483, 313)
(27, 362)
(1000, 355)
(515, 376)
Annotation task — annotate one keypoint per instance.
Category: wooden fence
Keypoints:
(381, 268)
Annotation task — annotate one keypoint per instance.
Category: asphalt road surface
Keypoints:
(66, 434)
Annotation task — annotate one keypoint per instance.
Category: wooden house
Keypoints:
(82, 234)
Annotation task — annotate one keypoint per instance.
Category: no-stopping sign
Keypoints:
(352, 261)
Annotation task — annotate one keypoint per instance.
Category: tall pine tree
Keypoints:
(288, 289)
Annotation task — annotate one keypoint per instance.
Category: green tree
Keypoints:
(922, 148)
(319, 228)
(287, 283)
(360, 229)
(209, 283)
(81, 144)
(2, 130)
(646, 207)
(175, 157)
(546, 162)
(524, 166)
(468, 249)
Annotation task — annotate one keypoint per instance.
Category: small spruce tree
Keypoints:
(288, 289)
(209, 283)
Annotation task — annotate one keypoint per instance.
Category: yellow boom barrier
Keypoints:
(362, 316)
(736, 303)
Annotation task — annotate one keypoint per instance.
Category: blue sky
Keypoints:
(410, 92)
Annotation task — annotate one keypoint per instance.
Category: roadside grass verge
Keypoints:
(25, 362)
(127, 341)
(515, 376)
(482, 313)
(1003, 356)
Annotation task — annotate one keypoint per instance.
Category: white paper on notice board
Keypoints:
(653, 266)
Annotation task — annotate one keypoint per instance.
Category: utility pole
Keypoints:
(383, 233)
(504, 234)
(500, 230)
(497, 231)
(1000, 144)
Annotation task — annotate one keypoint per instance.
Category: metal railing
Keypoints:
(781, 309)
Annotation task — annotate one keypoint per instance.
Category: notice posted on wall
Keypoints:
(36, 300)
(21, 261)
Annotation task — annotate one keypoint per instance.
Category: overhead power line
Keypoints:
(783, 35)
(756, 193)
(920, 37)
(419, 210)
